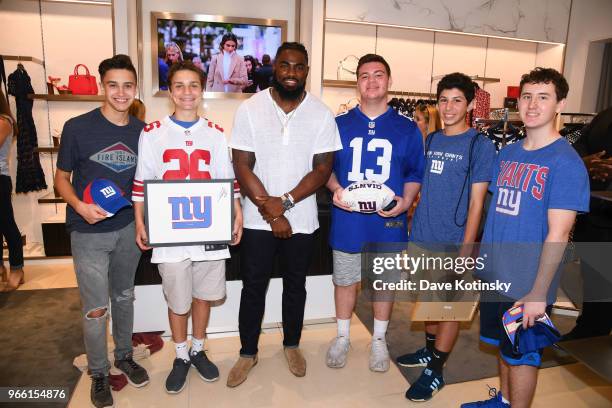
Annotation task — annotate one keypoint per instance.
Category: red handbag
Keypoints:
(82, 84)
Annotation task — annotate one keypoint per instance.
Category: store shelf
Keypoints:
(68, 98)
(336, 83)
(50, 199)
(49, 149)
(21, 58)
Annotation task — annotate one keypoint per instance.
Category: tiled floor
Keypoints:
(270, 383)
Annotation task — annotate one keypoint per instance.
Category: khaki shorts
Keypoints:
(185, 280)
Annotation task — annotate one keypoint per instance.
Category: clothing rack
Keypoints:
(480, 121)
(411, 93)
(472, 77)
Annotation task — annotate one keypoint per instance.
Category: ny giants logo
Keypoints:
(108, 192)
(369, 206)
(515, 179)
(437, 166)
(191, 212)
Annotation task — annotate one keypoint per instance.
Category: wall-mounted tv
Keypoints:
(241, 65)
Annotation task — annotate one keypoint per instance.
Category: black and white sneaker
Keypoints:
(101, 396)
(136, 375)
(419, 358)
(207, 370)
(178, 376)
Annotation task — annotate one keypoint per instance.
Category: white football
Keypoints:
(367, 196)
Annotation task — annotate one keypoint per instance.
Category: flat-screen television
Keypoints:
(244, 65)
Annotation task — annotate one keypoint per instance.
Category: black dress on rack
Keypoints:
(500, 138)
(30, 176)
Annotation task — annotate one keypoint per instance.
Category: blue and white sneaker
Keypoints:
(425, 387)
(419, 358)
(494, 402)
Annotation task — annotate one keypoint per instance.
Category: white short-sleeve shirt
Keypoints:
(282, 159)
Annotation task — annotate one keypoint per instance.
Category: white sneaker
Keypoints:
(337, 351)
(379, 355)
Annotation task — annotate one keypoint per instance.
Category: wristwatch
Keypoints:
(288, 202)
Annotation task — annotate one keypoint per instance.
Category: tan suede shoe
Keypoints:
(239, 372)
(296, 361)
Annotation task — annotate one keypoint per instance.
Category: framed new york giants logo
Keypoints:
(188, 212)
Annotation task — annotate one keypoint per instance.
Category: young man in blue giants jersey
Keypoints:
(538, 186)
(455, 183)
(383, 146)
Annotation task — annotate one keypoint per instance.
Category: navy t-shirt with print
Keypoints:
(92, 147)
(441, 214)
(525, 185)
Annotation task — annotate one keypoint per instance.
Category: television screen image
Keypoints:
(235, 53)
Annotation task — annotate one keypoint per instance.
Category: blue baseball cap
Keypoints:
(107, 195)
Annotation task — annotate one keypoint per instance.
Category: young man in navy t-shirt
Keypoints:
(379, 145)
(103, 143)
(457, 175)
(538, 186)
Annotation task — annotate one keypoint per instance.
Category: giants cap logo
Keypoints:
(117, 157)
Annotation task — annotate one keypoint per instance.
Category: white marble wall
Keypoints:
(540, 20)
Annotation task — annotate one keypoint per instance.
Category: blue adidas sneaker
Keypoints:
(494, 402)
(425, 387)
(419, 358)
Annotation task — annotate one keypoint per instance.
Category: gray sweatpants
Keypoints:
(105, 265)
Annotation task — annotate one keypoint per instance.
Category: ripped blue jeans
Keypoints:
(105, 265)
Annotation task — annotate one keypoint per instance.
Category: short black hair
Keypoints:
(372, 58)
(229, 37)
(119, 61)
(266, 60)
(185, 66)
(460, 81)
(292, 46)
(545, 76)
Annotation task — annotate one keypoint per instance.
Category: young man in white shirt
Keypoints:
(185, 146)
(282, 142)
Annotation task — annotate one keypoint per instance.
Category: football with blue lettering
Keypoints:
(368, 197)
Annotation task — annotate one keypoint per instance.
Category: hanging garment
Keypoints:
(482, 106)
(30, 176)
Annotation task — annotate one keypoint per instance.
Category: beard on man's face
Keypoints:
(290, 94)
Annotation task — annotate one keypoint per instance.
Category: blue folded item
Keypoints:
(537, 337)
(542, 334)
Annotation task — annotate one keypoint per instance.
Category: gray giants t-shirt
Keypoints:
(91, 148)
(442, 211)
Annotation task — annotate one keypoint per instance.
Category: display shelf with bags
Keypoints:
(67, 98)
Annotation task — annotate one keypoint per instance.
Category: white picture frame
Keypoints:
(189, 212)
